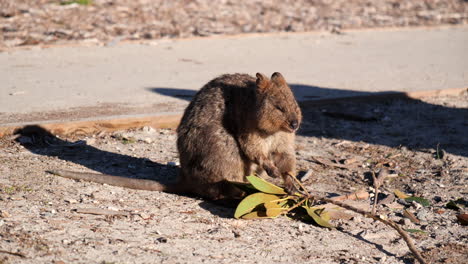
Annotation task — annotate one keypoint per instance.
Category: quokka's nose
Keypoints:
(294, 124)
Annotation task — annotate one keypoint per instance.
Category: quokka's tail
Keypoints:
(138, 184)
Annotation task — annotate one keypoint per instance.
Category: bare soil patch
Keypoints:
(45, 218)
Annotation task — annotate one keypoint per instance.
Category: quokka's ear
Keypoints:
(278, 78)
(262, 82)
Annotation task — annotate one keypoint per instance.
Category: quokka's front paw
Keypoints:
(290, 188)
(272, 171)
(289, 185)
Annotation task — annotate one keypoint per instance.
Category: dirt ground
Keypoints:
(423, 145)
(107, 22)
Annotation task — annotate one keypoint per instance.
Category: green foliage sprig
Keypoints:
(270, 201)
(266, 200)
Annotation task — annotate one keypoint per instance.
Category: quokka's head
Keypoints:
(277, 109)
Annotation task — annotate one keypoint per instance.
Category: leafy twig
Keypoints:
(271, 193)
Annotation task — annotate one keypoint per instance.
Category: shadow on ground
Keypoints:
(44, 143)
(391, 118)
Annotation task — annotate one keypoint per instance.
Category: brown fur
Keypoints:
(235, 125)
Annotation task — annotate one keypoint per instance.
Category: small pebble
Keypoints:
(147, 140)
(161, 240)
(405, 221)
(422, 214)
(173, 163)
(4, 214)
(149, 130)
(71, 201)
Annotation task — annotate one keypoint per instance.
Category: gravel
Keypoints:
(49, 219)
(107, 22)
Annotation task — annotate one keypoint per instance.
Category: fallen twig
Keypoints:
(378, 181)
(13, 253)
(300, 184)
(294, 207)
(330, 164)
(98, 211)
(411, 216)
(390, 223)
(376, 190)
(359, 195)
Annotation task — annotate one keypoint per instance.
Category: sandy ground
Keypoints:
(44, 219)
(422, 143)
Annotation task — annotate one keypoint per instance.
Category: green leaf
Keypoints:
(80, 2)
(281, 203)
(315, 213)
(320, 211)
(415, 231)
(452, 205)
(275, 212)
(325, 215)
(244, 186)
(255, 215)
(264, 186)
(457, 204)
(422, 201)
(252, 201)
(408, 198)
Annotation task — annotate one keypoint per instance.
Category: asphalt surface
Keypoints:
(73, 82)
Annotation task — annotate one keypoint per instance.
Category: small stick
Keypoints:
(359, 195)
(376, 189)
(300, 184)
(295, 206)
(99, 211)
(390, 223)
(13, 253)
(330, 164)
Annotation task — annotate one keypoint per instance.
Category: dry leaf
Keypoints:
(359, 195)
(463, 219)
(411, 216)
(400, 194)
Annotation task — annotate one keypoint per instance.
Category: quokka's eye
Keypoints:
(280, 108)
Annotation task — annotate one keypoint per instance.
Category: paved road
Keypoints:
(160, 77)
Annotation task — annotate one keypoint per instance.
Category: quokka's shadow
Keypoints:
(42, 142)
(393, 120)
